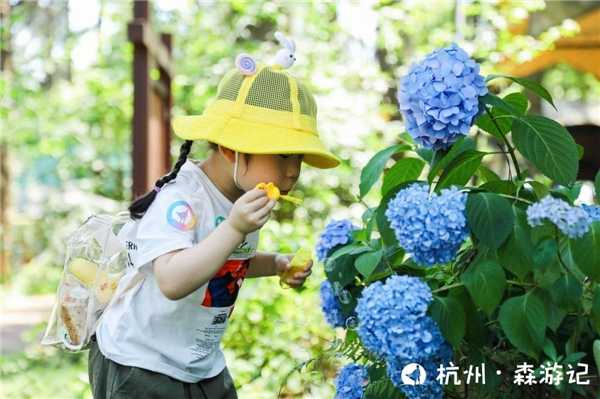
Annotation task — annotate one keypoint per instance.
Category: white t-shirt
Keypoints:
(146, 329)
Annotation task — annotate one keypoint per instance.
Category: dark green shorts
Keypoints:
(110, 380)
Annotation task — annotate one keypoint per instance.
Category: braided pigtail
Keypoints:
(139, 207)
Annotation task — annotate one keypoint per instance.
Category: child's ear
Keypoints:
(227, 153)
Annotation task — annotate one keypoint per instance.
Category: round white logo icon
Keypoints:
(413, 374)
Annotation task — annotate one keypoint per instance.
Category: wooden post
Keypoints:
(152, 100)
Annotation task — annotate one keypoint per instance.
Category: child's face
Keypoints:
(282, 170)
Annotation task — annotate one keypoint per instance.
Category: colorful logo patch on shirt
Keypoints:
(181, 216)
(219, 219)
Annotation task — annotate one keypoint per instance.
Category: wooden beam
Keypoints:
(583, 59)
(581, 51)
(139, 32)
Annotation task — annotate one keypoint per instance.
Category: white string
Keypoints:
(235, 168)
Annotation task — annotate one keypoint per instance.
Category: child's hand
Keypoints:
(251, 211)
(294, 280)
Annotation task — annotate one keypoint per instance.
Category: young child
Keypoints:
(194, 237)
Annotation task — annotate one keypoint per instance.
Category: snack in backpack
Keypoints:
(73, 312)
(87, 272)
(274, 193)
(299, 263)
(84, 270)
(106, 286)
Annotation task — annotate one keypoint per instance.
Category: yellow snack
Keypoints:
(299, 263)
(274, 193)
(85, 271)
(106, 286)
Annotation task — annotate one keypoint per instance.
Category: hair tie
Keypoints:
(156, 188)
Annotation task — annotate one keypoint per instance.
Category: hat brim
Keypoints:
(252, 138)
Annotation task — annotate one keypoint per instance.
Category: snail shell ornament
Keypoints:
(245, 64)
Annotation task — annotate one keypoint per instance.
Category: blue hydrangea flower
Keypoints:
(350, 382)
(593, 212)
(337, 232)
(330, 306)
(439, 97)
(431, 389)
(430, 228)
(573, 221)
(388, 312)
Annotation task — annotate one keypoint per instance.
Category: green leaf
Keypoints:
(566, 292)
(523, 320)
(477, 333)
(580, 151)
(404, 169)
(528, 84)
(485, 281)
(597, 187)
(367, 262)
(554, 314)
(449, 314)
(586, 252)
(544, 253)
(425, 153)
(595, 311)
(381, 388)
(461, 145)
(350, 249)
(496, 103)
(517, 101)
(490, 218)
(549, 349)
(341, 270)
(486, 174)
(500, 187)
(460, 170)
(596, 350)
(371, 172)
(515, 254)
(549, 146)
(540, 189)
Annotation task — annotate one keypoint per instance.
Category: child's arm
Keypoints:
(266, 264)
(262, 265)
(181, 272)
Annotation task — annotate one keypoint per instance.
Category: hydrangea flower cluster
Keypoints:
(330, 306)
(431, 389)
(389, 310)
(573, 221)
(351, 381)
(439, 97)
(394, 325)
(337, 232)
(593, 212)
(430, 228)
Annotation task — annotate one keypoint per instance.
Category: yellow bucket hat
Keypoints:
(260, 110)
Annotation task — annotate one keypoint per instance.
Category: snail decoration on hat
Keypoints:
(284, 58)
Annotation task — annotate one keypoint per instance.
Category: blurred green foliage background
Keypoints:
(65, 118)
